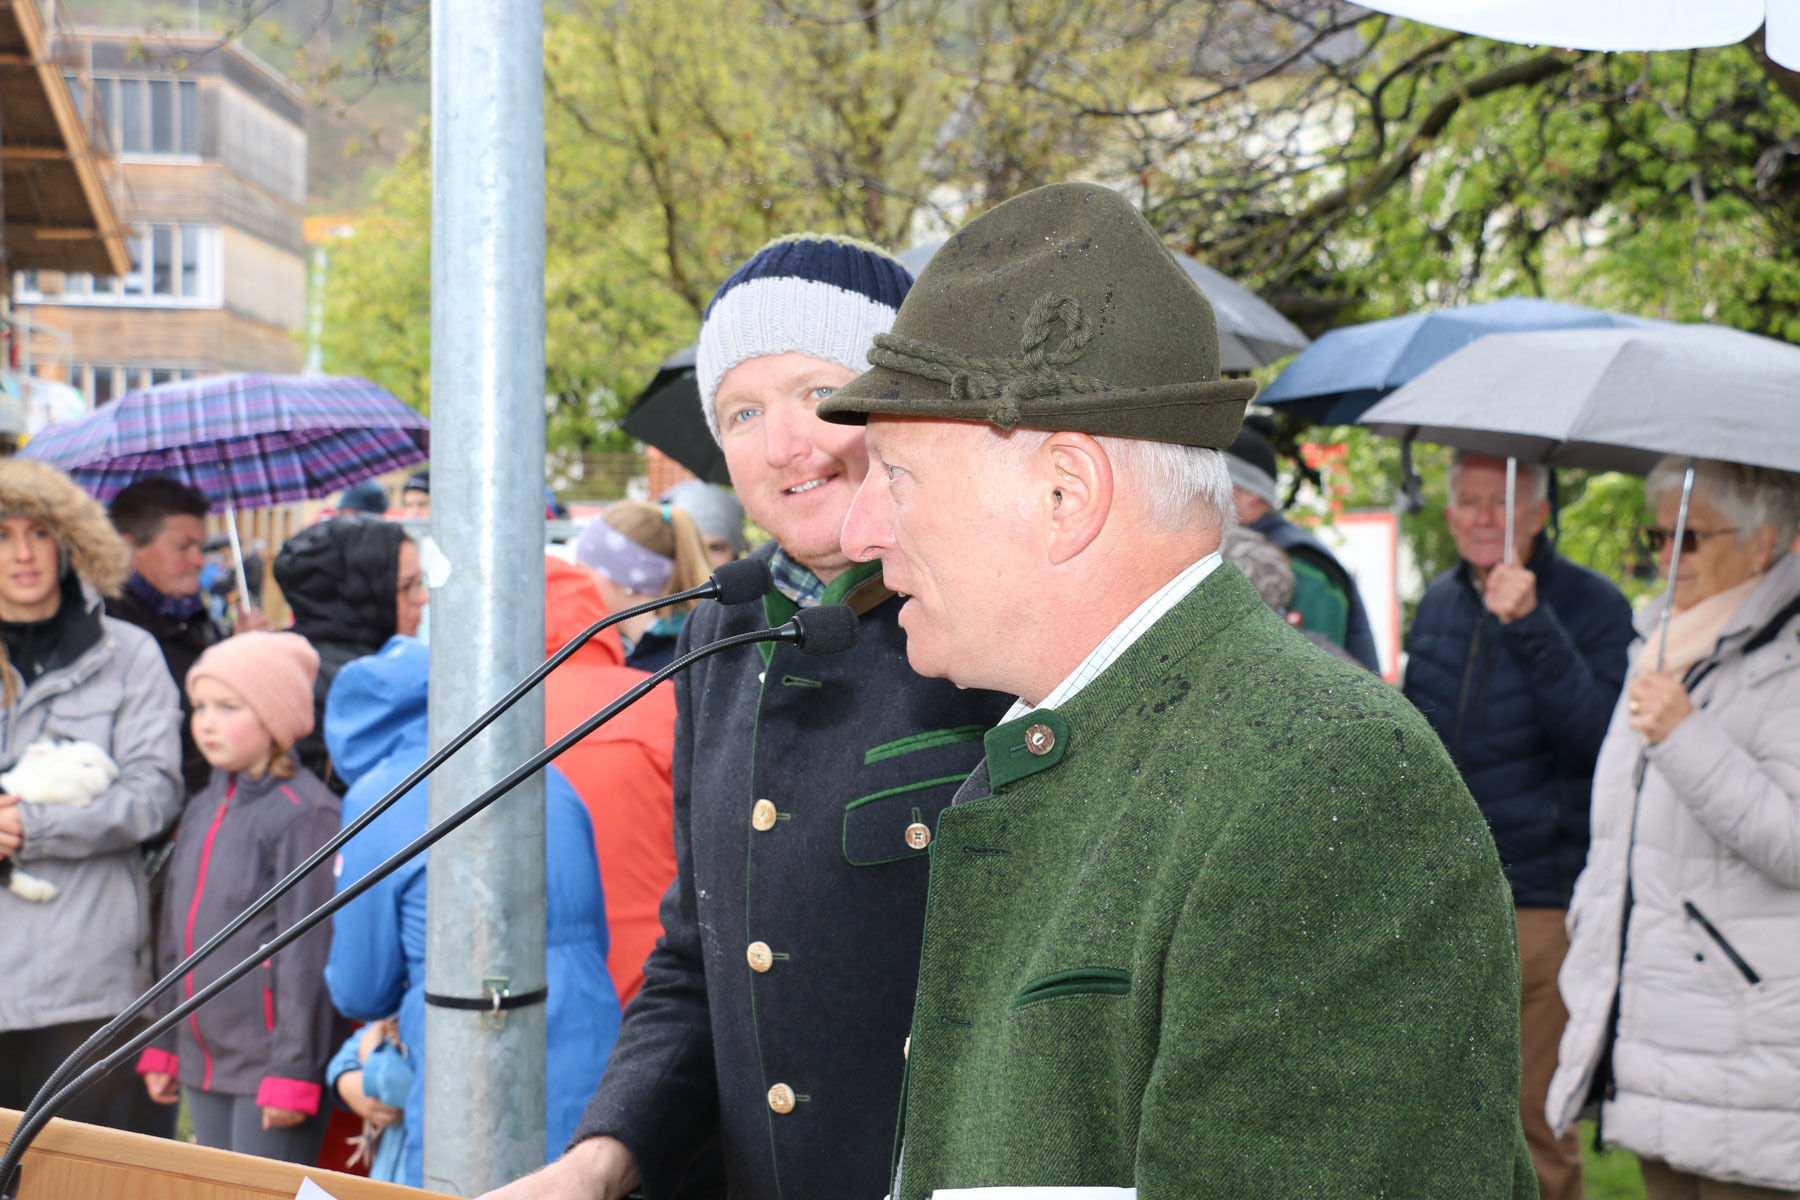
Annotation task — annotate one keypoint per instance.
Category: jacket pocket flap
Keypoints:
(1078, 981)
(880, 828)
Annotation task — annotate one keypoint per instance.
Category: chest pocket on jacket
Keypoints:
(82, 715)
(896, 824)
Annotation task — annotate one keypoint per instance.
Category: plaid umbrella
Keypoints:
(247, 441)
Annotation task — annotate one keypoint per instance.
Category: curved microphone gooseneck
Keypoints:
(736, 582)
(824, 630)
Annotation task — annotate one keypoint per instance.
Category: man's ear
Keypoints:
(1080, 493)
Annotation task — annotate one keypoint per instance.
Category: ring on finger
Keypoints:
(1636, 708)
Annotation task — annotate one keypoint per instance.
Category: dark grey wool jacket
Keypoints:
(270, 1034)
(776, 1006)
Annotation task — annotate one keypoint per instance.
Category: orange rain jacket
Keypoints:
(621, 770)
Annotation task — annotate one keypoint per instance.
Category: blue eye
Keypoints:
(819, 393)
(893, 472)
(744, 414)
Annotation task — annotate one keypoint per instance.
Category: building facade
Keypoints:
(212, 160)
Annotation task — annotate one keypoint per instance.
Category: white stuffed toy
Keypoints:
(53, 772)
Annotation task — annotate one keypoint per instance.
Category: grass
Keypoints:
(1609, 1175)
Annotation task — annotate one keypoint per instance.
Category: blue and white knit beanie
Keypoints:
(817, 294)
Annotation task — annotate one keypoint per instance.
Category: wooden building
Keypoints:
(211, 152)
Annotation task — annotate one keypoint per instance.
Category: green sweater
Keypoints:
(1240, 932)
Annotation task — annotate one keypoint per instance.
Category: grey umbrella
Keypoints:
(1251, 333)
(1609, 400)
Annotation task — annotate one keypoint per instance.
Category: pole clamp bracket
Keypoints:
(493, 1007)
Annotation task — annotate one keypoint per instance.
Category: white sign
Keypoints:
(312, 1191)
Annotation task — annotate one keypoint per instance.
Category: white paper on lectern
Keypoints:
(312, 1191)
(1036, 1193)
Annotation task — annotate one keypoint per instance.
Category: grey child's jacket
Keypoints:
(270, 1034)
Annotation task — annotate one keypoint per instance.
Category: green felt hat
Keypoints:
(1058, 310)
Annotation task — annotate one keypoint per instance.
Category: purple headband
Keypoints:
(622, 560)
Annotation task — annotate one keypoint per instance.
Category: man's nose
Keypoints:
(785, 434)
(868, 528)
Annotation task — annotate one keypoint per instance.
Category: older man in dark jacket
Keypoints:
(1517, 662)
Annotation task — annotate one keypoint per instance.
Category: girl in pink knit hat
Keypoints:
(252, 1059)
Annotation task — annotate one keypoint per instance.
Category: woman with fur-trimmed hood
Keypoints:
(68, 671)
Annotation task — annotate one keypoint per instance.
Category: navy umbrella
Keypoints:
(1336, 379)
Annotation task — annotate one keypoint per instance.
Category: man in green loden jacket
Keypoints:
(1216, 916)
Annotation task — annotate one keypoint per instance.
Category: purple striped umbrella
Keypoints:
(247, 441)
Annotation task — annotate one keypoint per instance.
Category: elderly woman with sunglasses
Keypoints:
(1683, 974)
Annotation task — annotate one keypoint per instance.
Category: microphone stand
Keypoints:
(39, 1115)
(733, 583)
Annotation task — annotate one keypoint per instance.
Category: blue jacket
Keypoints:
(1523, 709)
(375, 729)
(387, 1077)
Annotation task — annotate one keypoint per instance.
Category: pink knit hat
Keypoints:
(273, 672)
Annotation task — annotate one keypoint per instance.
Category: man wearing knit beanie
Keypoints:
(1325, 596)
(775, 1008)
(273, 672)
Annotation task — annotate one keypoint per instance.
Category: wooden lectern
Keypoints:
(71, 1161)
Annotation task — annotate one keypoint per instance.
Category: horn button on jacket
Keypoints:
(775, 1008)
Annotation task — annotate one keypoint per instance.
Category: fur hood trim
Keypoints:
(29, 488)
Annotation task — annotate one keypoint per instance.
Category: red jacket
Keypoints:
(621, 770)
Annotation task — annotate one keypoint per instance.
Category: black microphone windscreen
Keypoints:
(828, 629)
(741, 581)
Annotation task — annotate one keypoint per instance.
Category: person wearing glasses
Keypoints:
(352, 583)
(1517, 661)
(1683, 973)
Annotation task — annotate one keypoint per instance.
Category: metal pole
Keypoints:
(484, 1072)
(1681, 514)
(1512, 484)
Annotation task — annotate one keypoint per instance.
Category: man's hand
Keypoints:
(1655, 704)
(280, 1118)
(162, 1088)
(350, 1091)
(12, 826)
(1510, 592)
(251, 620)
(598, 1169)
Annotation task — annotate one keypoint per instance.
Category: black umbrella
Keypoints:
(667, 415)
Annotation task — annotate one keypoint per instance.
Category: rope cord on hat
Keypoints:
(1003, 382)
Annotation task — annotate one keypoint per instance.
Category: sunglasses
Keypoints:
(1690, 538)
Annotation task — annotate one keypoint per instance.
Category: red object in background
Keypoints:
(621, 771)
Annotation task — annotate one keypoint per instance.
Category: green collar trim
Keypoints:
(1032, 743)
(779, 609)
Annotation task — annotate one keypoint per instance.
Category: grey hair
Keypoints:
(1749, 497)
(1538, 473)
(1185, 487)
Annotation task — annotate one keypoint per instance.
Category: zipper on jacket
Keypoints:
(1737, 960)
(206, 849)
(1468, 678)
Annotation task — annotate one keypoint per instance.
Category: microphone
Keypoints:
(738, 582)
(827, 629)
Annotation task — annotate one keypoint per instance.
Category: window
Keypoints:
(173, 266)
(104, 382)
(146, 116)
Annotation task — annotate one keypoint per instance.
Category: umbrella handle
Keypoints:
(1681, 514)
(1512, 482)
(237, 556)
